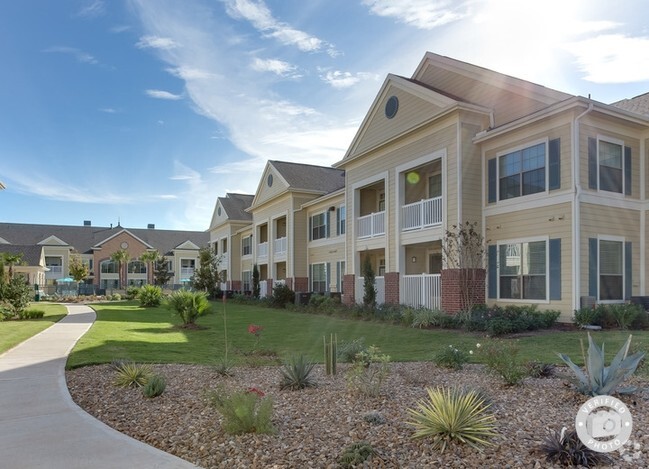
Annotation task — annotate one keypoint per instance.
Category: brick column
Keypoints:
(236, 285)
(269, 287)
(391, 280)
(289, 283)
(455, 281)
(301, 284)
(349, 287)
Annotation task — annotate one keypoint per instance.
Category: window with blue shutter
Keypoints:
(493, 180)
(592, 163)
(627, 170)
(628, 270)
(555, 269)
(492, 271)
(592, 267)
(554, 164)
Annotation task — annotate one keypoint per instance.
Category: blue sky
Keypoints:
(146, 111)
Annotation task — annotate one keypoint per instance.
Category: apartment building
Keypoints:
(47, 250)
(556, 183)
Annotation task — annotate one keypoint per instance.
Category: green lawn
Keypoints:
(14, 332)
(124, 331)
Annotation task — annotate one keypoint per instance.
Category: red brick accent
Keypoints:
(289, 283)
(269, 289)
(301, 284)
(454, 282)
(349, 287)
(235, 285)
(391, 280)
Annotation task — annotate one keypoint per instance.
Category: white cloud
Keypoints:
(422, 14)
(338, 79)
(189, 73)
(108, 110)
(260, 16)
(278, 67)
(156, 42)
(78, 54)
(612, 58)
(161, 94)
(119, 29)
(92, 9)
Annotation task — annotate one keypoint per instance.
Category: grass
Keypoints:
(128, 332)
(14, 332)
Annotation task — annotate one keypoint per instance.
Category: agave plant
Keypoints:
(132, 374)
(453, 414)
(296, 373)
(600, 380)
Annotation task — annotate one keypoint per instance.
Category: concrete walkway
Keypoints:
(40, 426)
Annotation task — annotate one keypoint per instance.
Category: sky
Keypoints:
(146, 111)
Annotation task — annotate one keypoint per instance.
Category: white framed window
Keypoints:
(319, 277)
(610, 165)
(381, 272)
(381, 202)
(318, 226)
(522, 172)
(611, 270)
(136, 267)
(246, 280)
(246, 246)
(340, 274)
(435, 185)
(109, 267)
(523, 270)
(341, 218)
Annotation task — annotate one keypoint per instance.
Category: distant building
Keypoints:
(47, 250)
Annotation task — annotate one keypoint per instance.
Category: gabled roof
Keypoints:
(235, 205)
(124, 230)
(639, 104)
(83, 238)
(53, 241)
(32, 254)
(299, 176)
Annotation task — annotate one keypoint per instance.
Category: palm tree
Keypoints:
(121, 257)
(150, 258)
(11, 260)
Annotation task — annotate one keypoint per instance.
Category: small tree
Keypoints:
(206, 277)
(464, 249)
(256, 290)
(188, 305)
(369, 291)
(161, 274)
(79, 271)
(11, 260)
(150, 258)
(121, 257)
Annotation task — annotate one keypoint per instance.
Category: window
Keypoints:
(340, 274)
(136, 267)
(246, 280)
(381, 203)
(434, 186)
(611, 277)
(381, 267)
(319, 226)
(224, 248)
(109, 267)
(340, 220)
(319, 278)
(523, 270)
(522, 172)
(246, 246)
(610, 167)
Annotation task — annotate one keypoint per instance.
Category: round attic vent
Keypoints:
(391, 107)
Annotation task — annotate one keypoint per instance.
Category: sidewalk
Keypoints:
(40, 425)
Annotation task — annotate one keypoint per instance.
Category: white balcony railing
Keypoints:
(279, 246)
(186, 272)
(423, 290)
(263, 288)
(422, 214)
(55, 269)
(371, 225)
(262, 249)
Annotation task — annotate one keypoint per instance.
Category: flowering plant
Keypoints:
(256, 391)
(255, 330)
(452, 357)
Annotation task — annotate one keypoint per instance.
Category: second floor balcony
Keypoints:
(280, 246)
(370, 226)
(262, 249)
(422, 214)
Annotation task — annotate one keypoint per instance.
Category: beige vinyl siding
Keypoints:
(329, 253)
(300, 241)
(597, 127)
(550, 129)
(534, 223)
(412, 111)
(598, 220)
(471, 176)
(265, 193)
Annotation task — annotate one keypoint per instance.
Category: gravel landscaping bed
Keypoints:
(315, 425)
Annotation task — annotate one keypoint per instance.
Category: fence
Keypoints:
(421, 290)
(379, 286)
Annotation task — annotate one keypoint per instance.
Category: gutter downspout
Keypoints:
(576, 211)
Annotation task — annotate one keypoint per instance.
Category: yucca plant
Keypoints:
(132, 374)
(155, 386)
(600, 380)
(246, 411)
(453, 415)
(296, 373)
(567, 449)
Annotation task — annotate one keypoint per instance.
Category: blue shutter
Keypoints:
(554, 164)
(628, 271)
(492, 266)
(627, 170)
(592, 163)
(328, 276)
(338, 221)
(592, 268)
(327, 223)
(310, 277)
(493, 180)
(310, 228)
(555, 269)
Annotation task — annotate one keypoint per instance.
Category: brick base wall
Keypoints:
(301, 284)
(391, 280)
(453, 284)
(349, 287)
(235, 285)
(269, 283)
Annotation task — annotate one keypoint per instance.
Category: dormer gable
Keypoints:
(271, 184)
(52, 241)
(124, 233)
(188, 246)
